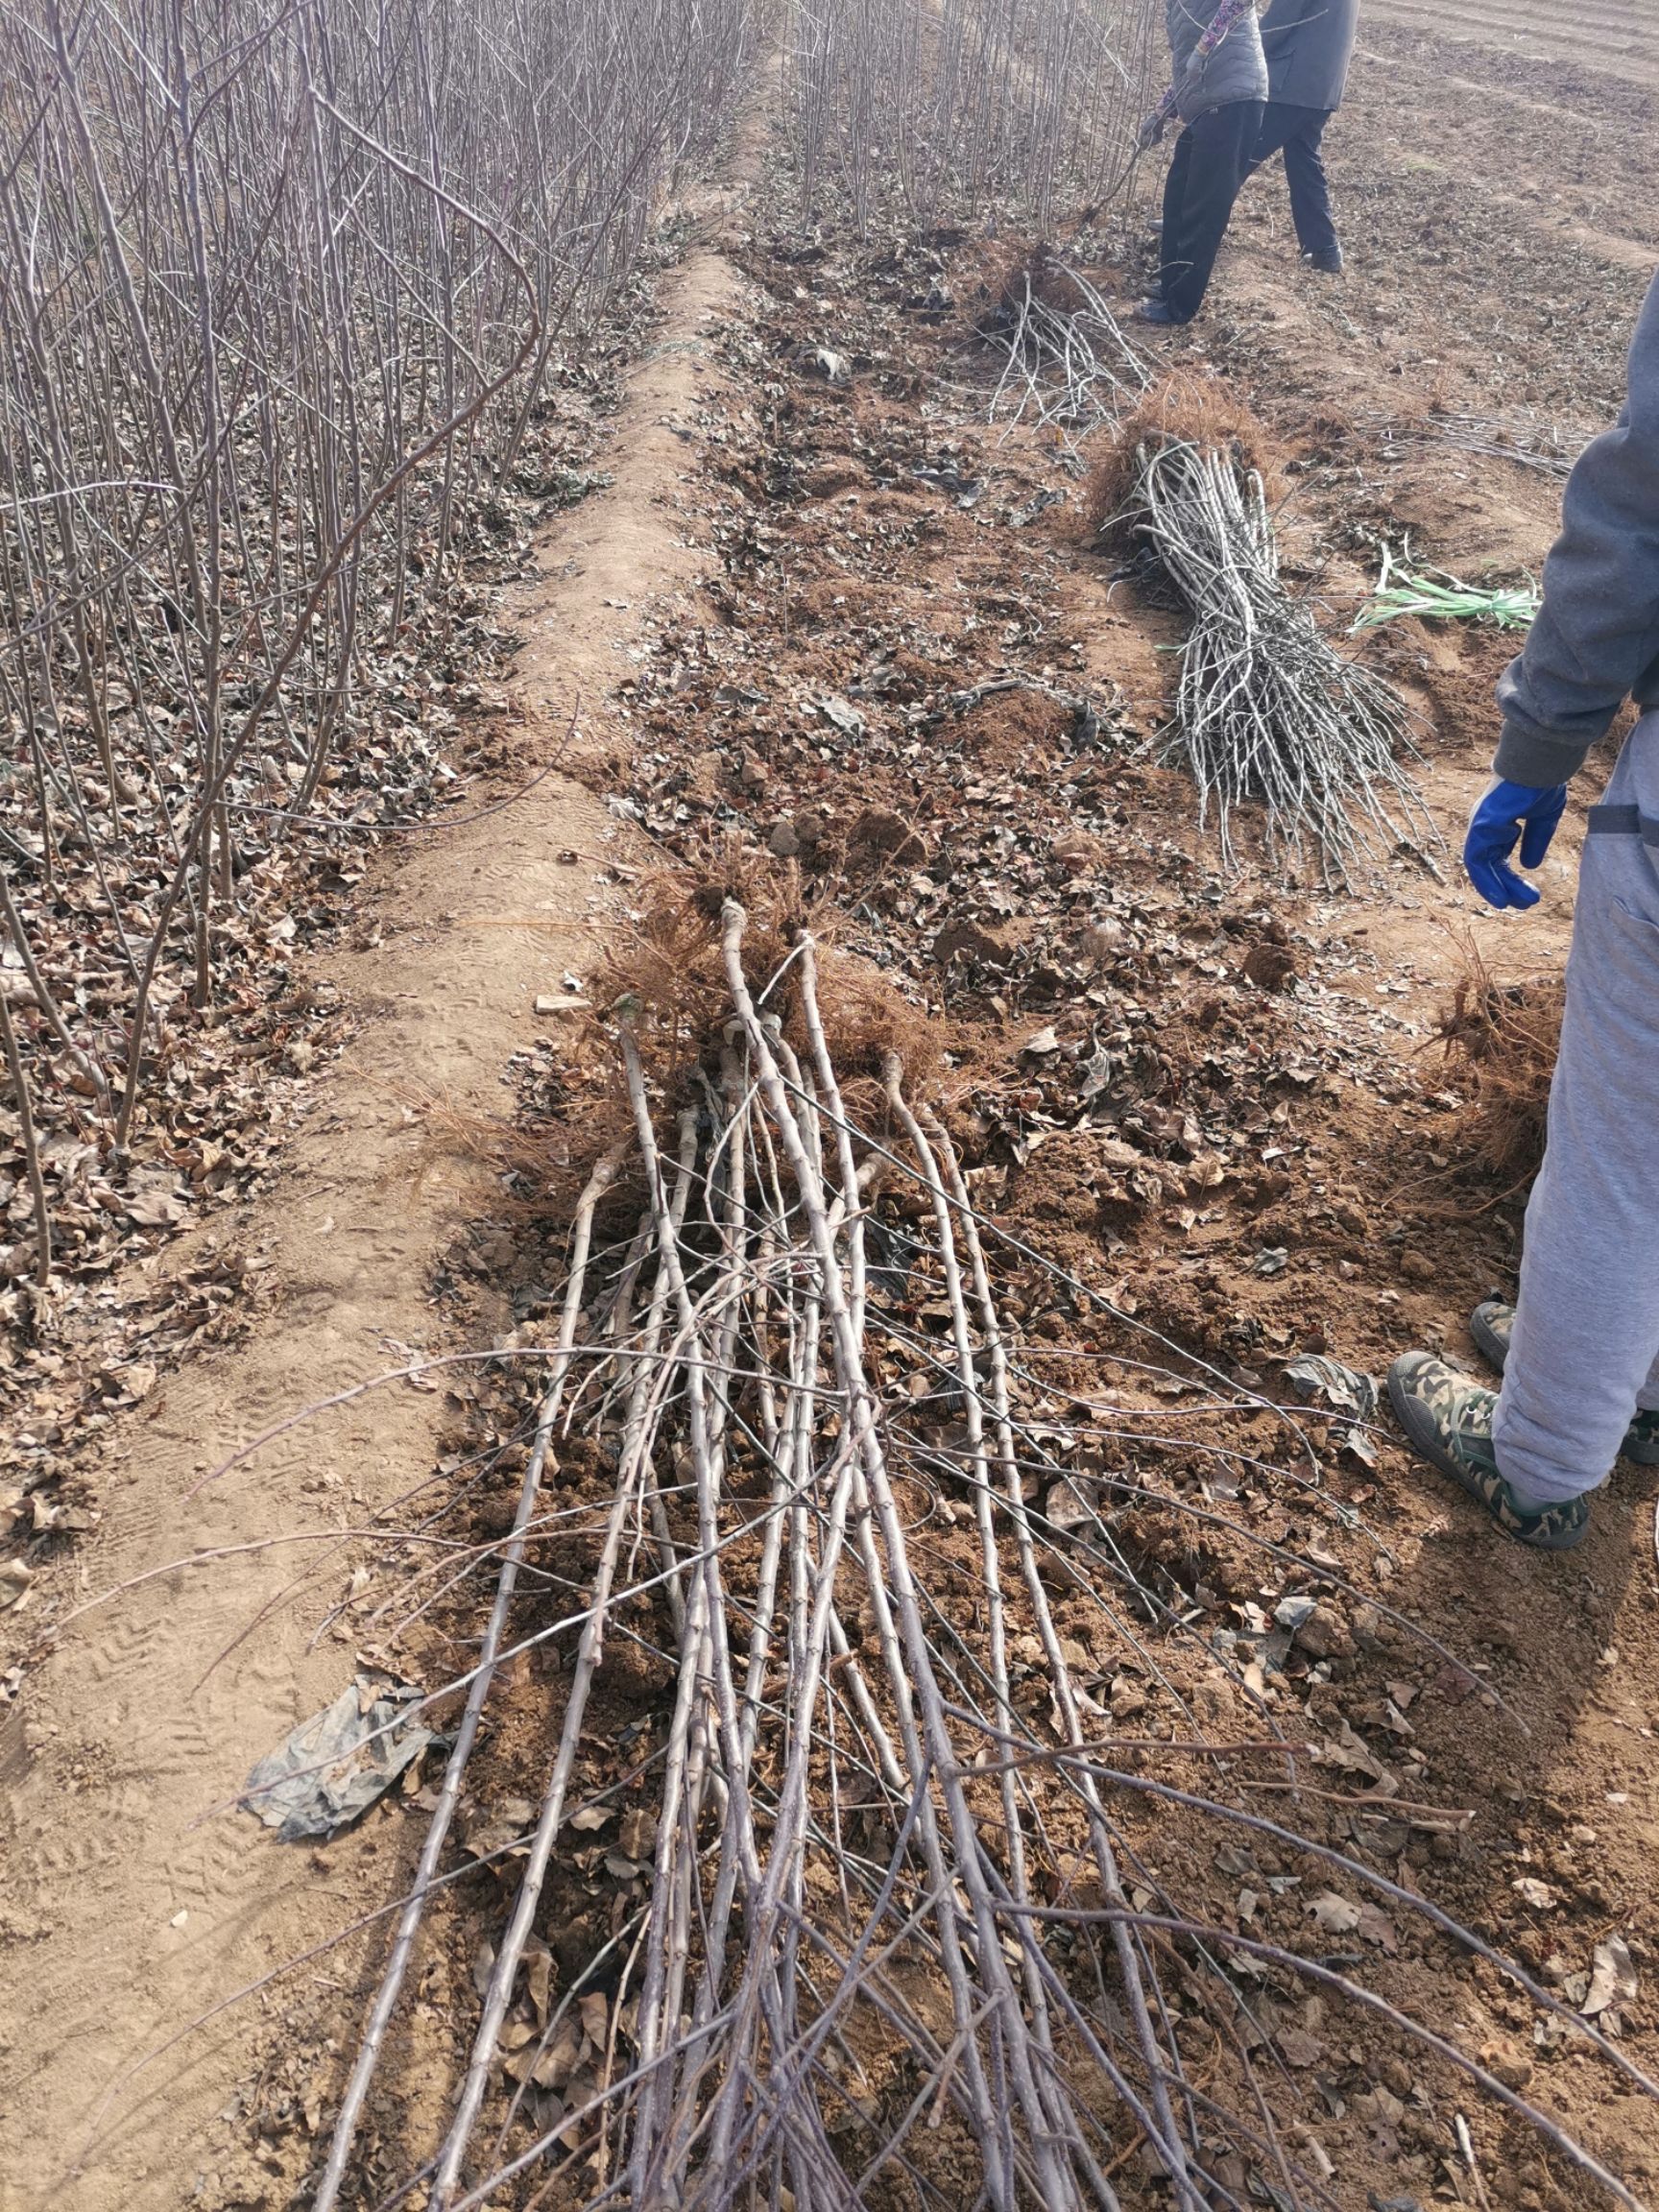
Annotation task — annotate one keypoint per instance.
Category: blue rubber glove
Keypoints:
(1508, 812)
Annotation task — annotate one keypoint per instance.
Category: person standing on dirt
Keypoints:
(1220, 94)
(1308, 44)
(1580, 1350)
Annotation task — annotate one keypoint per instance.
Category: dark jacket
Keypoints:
(1308, 44)
(1237, 70)
(1596, 641)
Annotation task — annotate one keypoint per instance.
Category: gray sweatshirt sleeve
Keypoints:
(1596, 641)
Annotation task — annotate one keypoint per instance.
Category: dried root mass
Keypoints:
(1501, 1041)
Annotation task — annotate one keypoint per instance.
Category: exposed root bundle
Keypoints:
(1501, 1041)
(1185, 407)
(897, 1932)
(1267, 709)
(667, 970)
(1069, 364)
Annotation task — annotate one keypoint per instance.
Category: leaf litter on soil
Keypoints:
(1128, 1057)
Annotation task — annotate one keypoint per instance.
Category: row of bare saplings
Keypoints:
(899, 1939)
(282, 289)
(938, 108)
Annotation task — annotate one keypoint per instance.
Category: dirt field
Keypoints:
(768, 539)
(1619, 36)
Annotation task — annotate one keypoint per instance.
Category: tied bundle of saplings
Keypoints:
(1269, 713)
(1068, 364)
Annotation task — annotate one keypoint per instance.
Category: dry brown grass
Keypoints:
(1501, 1039)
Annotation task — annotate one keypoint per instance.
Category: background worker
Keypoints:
(1309, 46)
(1219, 91)
(1579, 1351)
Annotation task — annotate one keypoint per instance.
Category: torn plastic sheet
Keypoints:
(339, 1762)
(1344, 1388)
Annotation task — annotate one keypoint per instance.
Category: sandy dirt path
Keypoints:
(129, 1902)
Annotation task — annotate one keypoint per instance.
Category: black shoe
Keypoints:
(1158, 311)
(1327, 264)
(1492, 1325)
(1449, 1422)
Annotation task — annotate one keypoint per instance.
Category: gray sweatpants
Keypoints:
(1585, 1350)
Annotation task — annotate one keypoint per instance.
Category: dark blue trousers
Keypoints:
(1296, 133)
(1211, 162)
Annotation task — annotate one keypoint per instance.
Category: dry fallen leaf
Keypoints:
(1334, 1914)
(155, 1209)
(1347, 1750)
(495, 1829)
(1612, 1979)
(483, 1966)
(538, 1977)
(638, 1834)
(1376, 1927)
(595, 2008)
(550, 2065)
(1297, 2048)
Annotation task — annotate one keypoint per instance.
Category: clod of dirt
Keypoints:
(1324, 1634)
(968, 941)
(1270, 967)
(878, 831)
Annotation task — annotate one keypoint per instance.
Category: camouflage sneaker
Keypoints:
(1491, 1326)
(1449, 1421)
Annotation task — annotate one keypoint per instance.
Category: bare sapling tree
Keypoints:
(282, 289)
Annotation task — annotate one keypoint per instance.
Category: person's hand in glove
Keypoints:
(1508, 812)
(1151, 131)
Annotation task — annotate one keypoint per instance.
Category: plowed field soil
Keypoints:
(1619, 37)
